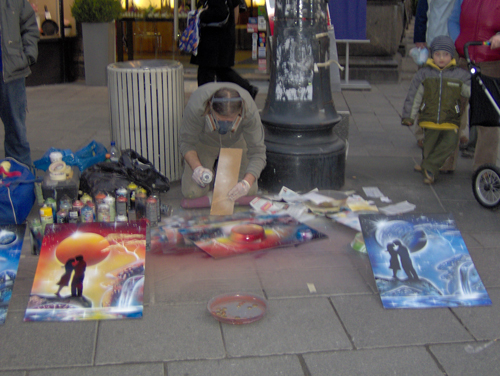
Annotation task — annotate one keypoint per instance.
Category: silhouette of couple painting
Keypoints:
(78, 266)
(397, 252)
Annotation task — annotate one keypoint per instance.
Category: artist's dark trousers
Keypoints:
(227, 74)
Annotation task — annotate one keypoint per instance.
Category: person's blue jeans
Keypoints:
(13, 115)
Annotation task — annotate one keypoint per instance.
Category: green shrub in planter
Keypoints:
(92, 11)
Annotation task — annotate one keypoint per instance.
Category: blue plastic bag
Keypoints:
(87, 156)
(17, 194)
(190, 38)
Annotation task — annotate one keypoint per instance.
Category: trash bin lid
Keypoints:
(146, 64)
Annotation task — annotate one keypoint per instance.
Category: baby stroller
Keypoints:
(484, 111)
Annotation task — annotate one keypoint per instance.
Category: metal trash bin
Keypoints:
(146, 99)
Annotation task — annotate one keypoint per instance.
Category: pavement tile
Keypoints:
(391, 361)
(370, 325)
(327, 281)
(456, 361)
(197, 277)
(478, 320)
(26, 345)
(146, 369)
(288, 365)
(472, 217)
(289, 326)
(165, 333)
(487, 239)
(486, 262)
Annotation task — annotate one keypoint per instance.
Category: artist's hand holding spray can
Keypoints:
(202, 176)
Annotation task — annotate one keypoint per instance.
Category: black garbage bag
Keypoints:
(109, 176)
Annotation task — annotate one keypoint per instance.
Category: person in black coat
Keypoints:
(216, 49)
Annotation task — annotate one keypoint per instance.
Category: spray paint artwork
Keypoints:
(421, 261)
(11, 243)
(233, 235)
(89, 271)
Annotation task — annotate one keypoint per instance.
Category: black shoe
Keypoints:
(467, 153)
(254, 90)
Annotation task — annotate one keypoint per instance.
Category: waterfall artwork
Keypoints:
(421, 261)
(89, 271)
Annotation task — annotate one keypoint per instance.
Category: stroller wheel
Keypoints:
(486, 185)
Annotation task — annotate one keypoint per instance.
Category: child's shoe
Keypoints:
(428, 177)
(417, 168)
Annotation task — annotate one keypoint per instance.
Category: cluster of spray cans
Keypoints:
(127, 203)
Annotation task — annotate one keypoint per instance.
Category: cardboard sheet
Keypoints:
(228, 169)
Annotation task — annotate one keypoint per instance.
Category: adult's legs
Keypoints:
(205, 75)
(13, 115)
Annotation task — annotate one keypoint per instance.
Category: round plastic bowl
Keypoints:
(237, 308)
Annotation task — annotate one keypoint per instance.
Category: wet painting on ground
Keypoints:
(421, 261)
(89, 271)
(11, 244)
(231, 235)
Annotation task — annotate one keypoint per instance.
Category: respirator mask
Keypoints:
(214, 123)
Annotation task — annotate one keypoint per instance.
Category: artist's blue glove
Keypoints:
(239, 190)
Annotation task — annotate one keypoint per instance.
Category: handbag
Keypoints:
(190, 38)
(217, 24)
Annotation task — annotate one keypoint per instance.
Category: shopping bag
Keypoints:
(17, 193)
(190, 38)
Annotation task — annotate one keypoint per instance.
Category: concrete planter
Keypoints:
(98, 51)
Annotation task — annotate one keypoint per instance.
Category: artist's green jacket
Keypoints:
(435, 95)
(194, 129)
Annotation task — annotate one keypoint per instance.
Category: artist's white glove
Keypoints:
(202, 176)
(239, 190)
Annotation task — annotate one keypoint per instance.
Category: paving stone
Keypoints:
(146, 369)
(457, 361)
(166, 332)
(197, 277)
(486, 262)
(27, 345)
(289, 326)
(391, 361)
(478, 319)
(371, 326)
(287, 365)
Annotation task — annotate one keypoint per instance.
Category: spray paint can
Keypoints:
(131, 188)
(53, 204)
(207, 177)
(110, 201)
(121, 218)
(87, 214)
(73, 216)
(78, 205)
(85, 198)
(156, 195)
(121, 205)
(140, 203)
(103, 213)
(62, 216)
(46, 216)
(151, 211)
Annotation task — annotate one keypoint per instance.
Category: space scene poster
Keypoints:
(89, 271)
(421, 261)
(11, 244)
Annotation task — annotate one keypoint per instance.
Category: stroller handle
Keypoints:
(473, 43)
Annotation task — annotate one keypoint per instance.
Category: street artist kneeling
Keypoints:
(221, 115)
